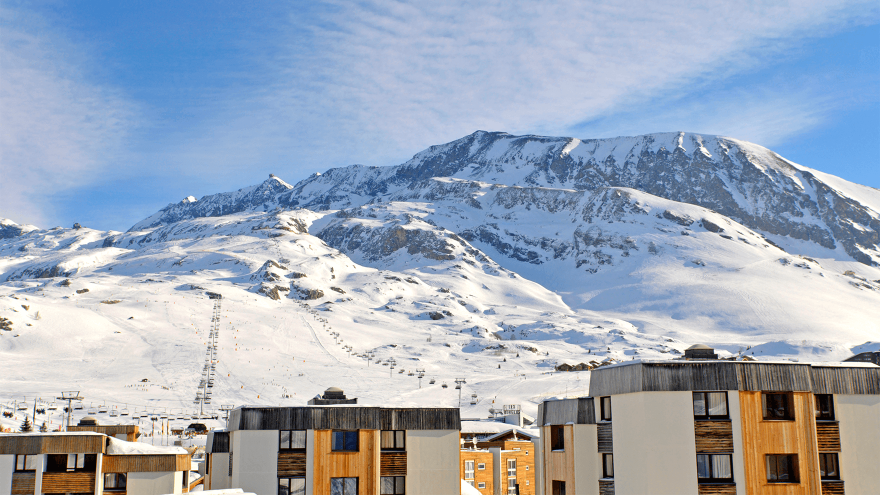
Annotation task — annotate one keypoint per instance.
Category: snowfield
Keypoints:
(459, 274)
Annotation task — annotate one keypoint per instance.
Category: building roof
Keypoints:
(701, 347)
(344, 417)
(527, 434)
(676, 375)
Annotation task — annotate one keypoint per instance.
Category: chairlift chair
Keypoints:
(444, 385)
(114, 413)
(102, 409)
(91, 411)
(432, 381)
(53, 407)
(23, 407)
(457, 386)
(77, 406)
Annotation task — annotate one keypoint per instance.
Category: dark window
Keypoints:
(61, 463)
(710, 405)
(392, 485)
(558, 487)
(605, 407)
(557, 437)
(828, 468)
(343, 486)
(114, 482)
(291, 486)
(393, 439)
(345, 441)
(714, 468)
(292, 440)
(26, 462)
(825, 407)
(782, 468)
(777, 406)
(607, 465)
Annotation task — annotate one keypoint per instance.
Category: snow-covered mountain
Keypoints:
(493, 257)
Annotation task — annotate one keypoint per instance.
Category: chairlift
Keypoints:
(411, 374)
(457, 386)
(444, 385)
(432, 381)
(53, 407)
(163, 416)
(124, 412)
(91, 412)
(23, 407)
(77, 406)
(102, 409)
(114, 413)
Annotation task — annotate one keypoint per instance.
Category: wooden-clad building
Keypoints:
(707, 426)
(504, 466)
(337, 449)
(88, 462)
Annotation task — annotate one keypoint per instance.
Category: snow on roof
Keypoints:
(467, 489)
(493, 428)
(121, 447)
(53, 434)
(227, 491)
(818, 364)
(528, 434)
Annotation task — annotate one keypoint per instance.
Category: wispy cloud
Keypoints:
(58, 130)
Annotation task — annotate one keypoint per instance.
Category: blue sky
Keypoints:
(111, 110)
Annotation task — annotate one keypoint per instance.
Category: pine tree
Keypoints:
(26, 426)
(44, 428)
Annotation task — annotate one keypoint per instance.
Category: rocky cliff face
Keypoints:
(742, 181)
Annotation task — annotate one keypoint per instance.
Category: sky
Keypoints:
(111, 110)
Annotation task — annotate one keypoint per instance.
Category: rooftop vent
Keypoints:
(333, 395)
(88, 421)
(700, 351)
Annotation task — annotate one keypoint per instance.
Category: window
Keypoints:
(714, 468)
(607, 465)
(557, 437)
(710, 405)
(292, 440)
(511, 486)
(393, 440)
(828, 469)
(511, 468)
(345, 441)
(824, 407)
(230, 464)
(481, 466)
(469, 482)
(291, 486)
(468, 470)
(527, 467)
(782, 468)
(392, 485)
(605, 407)
(481, 484)
(558, 487)
(777, 406)
(26, 462)
(343, 486)
(61, 463)
(114, 482)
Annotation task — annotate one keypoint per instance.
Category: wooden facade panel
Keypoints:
(362, 464)
(146, 463)
(713, 436)
(606, 487)
(559, 465)
(291, 464)
(68, 483)
(828, 436)
(779, 437)
(23, 483)
(392, 464)
(525, 470)
(832, 488)
(567, 411)
(51, 444)
(846, 380)
(605, 438)
(717, 489)
(480, 475)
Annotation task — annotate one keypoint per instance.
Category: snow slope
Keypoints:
(492, 258)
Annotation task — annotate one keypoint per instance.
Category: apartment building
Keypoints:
(705, 426)
(89, 462)
(337, 450)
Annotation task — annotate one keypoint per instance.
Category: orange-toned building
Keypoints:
(500, 466)
(707, 426)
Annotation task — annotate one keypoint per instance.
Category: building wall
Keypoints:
(859, 419)
(780, 437)
(525, 469)
(154, 483)
(487, 475)
(310, 461)
(7, 465)
(739, 470)
(588, 460)
(559, 465)
(255, 461)
(219, 478)
(654, 443)
(432, 462)
(363, 464)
